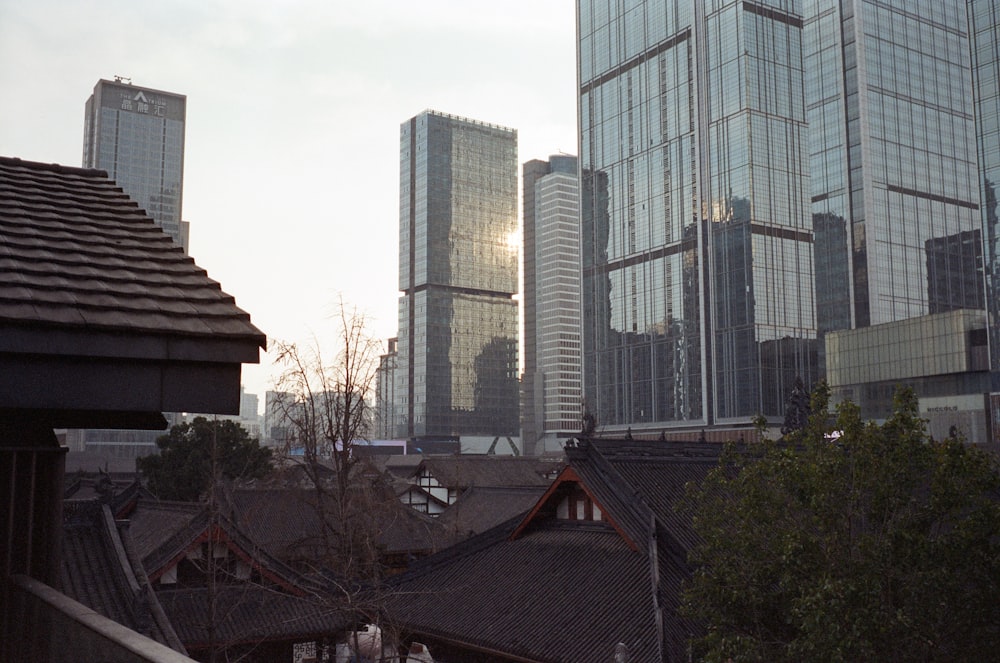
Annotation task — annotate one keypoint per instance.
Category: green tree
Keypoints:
(183, 470)
(872, 543)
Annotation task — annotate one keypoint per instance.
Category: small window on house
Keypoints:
(577, 505)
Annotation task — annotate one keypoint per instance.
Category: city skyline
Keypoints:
(292, 140)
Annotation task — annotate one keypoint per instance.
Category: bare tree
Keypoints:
(328, 410)
(326, 407)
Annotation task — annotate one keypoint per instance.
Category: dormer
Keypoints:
(570, 500)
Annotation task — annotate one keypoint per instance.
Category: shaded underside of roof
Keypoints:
(250, 613)
(100, 310)
(566, 592)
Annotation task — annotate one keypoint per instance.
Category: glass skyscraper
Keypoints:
(984, 28)
(136, 134)
(551, 388)
(458, 320)
(697, 236)
(894, 184)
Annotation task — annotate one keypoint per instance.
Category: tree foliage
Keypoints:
(193, 453)
(875, 544)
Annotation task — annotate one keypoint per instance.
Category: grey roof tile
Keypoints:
(71, 239)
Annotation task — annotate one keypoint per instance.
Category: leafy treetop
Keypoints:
(872, 543)
(183, 470)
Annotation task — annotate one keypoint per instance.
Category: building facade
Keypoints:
(902, 104)
(894, 184)
(385, 385)
(697, 238)
(136, 134)
(457, 356)
(551, 387)
(984, 31)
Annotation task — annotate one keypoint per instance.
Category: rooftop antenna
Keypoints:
(122, 79)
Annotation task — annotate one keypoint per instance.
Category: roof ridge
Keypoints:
(54, 167)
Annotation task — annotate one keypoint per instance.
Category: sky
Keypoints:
(291, 173)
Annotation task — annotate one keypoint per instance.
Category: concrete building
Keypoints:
(458, 319)
(136, 134)
(551, 388)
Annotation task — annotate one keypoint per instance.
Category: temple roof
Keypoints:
(566, 584)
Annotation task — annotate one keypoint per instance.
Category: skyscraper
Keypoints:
(697, 240)
(136, 134)
(894, 184)
(984, 29)
(551, 387)
(458, 320)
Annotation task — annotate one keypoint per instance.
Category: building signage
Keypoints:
(143, 102)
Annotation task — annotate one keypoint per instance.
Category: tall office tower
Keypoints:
(385, 383)
(696, 232)
(137, 135)
(551, 389)
(984, 29)
(458, 320)
(894, 184)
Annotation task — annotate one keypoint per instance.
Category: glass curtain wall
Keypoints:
(696, 232)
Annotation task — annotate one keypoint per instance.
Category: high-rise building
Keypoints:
(894, 183)
(984, 30)
(551, 388)
(894, 93)
(385, 384)
(458, 319)
(136, 134)
(697, 237)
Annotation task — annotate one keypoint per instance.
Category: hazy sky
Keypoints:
(291, 177)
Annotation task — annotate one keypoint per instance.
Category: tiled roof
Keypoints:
(250, 614)
(546, 589)
(77, 253)
(483, 507)
(154, 522)
(166, 532)
(286, 523)
(463, 471)
(560, 593)
(282, 605)
(96, 571)
(659, 471)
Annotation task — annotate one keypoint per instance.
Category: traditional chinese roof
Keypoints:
(251, 614)
(547, 588)
(483, 507)
(282, 605)
(464, 471)
(286, 522)
(101, 314)
(100, 571)
(164, 532)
